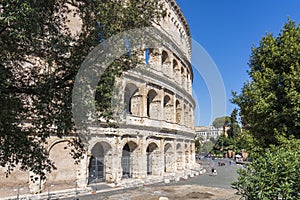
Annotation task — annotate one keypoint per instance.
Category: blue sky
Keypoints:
(228, 30)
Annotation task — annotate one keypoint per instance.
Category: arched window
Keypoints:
(167, 109)
(99, 163)
(127, 162)
(153, 104)
(153, 158)
(178, 112)
(132, 100)
(164, 58)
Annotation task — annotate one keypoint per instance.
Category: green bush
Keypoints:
(273, 174)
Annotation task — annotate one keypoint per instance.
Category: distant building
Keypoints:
(207, 132)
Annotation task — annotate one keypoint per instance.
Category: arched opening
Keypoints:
(165, 62)
(167, 109)
(64, 176)
(187, 155)
(178, 112)
(164, 58)
(176, 71)
(98, 163)
(185, 115)
(132, 100)
(153, 104)
(183, 78)
(168, 158)
(179, 157)
(152, 158)
(127, 160)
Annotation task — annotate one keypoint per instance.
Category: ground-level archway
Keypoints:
(152, 154)
(99, 163)
(127, 159)
(168, 158)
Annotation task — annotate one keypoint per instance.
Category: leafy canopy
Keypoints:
(270, 100)
(273, 174)
(220, 122)
(39, 59)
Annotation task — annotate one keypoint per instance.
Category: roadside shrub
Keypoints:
(273, 174)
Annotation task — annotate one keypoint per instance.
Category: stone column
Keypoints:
(82, 174)
(143, 104)
(116, 159)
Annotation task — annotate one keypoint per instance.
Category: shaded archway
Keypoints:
(127, 160)
(168, 158)
(98, 162)
(176, 71)
(185, 115)
(178, 112)
(167, 109)
(183, 78)
(187, 155)
(153, 104)
(152, 158)
(165, 62)
(132, 100)
(179, 157)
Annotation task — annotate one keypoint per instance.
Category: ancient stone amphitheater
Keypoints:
(155, 137)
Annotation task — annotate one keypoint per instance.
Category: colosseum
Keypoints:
(155, 137)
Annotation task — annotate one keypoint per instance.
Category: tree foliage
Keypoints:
(39, 59)
(269, 107)
(273, 174)
(235, 129)
(220, 122)
(270, 100)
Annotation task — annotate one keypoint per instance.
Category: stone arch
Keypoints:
(154, 57)
(100, 163)
(168, 158)
(187, 154)
(165, 58)
(191, 121)
(178, 111)
(183, 77)
(132, 100)
(165, 62)
(64, 176)
(167, 109)
(185, 115)
(153, 104)
(176, 71)
(152, 154)
(56, 142)
(179, 157)
(128, 159)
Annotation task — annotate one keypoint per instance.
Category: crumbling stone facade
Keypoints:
(155, 137)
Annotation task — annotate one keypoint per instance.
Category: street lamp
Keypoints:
(18, 189)
(49, 196)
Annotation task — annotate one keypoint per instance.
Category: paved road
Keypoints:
(226, 175)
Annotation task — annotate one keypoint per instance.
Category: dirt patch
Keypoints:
(199, 195)
(184, 192)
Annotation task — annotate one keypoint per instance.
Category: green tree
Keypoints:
(197, 146)
(207, 146)
(220, 122)
(269, 106)
(270, 100)
(273, 174)
(35, 34)
(235, 129)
